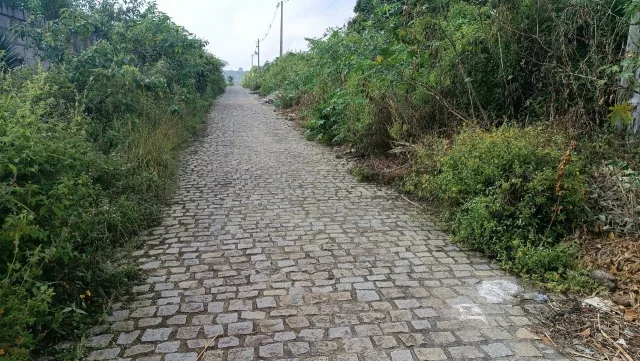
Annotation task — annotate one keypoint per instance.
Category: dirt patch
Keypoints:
(584, 332)
(621, 258)
(387, 169)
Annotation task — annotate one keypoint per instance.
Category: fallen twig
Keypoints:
(582, 355)
(206, 346)
(550, 339)
(620, 349)
(410, 201)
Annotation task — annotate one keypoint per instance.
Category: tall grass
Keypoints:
(468, 95)
(89, 153)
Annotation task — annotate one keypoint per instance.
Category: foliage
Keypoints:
(364, 173)
(422, 71)
(614, 189)
(9, 57)
(88, 152)
(24, 300)
(426, 66)
(621, 114)
(512, 193)
(50, 9)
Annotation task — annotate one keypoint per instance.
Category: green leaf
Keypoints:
(621, 114)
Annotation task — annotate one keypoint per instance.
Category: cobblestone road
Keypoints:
(274, 248)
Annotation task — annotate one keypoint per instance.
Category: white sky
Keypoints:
(233, 26)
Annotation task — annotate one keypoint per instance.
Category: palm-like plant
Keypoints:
(9, 57)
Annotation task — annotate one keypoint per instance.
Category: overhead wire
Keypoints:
(273, 19)
(275, 13)
(330, 6)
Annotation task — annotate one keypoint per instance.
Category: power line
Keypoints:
(256, 51)
(329, 7)
(275, 13)
(273, 19)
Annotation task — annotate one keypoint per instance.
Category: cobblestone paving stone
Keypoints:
(274, 250)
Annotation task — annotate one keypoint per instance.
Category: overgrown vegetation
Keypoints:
(514, 194)
(508, 113)
(88, 152)
(49, 9)
(9, 57)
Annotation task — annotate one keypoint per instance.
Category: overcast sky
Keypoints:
(233, 26)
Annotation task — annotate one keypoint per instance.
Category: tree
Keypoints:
(230, 80)
(9, 57)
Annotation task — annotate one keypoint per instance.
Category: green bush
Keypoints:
(513, 194)
(416, 71)
(425, 67)
(50, 9)
(89, 152)
(9, 57)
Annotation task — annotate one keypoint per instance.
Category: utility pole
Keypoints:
(252, 55)
(258, 56)
(281, 25)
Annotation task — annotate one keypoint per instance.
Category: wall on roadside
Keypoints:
(10, 16)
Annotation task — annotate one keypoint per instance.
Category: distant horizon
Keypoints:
(232, 27)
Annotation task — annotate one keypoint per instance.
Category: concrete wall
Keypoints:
(10, 16)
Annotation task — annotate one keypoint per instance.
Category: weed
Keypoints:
(89, 152)
(491, 95)
(364, 173)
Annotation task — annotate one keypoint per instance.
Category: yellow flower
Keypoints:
(88, 293)
(379, 58)
(1, 351)
(82, 296)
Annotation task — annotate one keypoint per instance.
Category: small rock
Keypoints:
(64, 346)
(621, 300)
(100, 341)
(97, 330)
(599, 303)
(535, 296)
(604, 279)
(583, 349)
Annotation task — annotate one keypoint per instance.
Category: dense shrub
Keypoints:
(88, 152)
(418, 72)
(9, 57)
(512, 193)
(427, 66)
(277, 76)
(50, 9)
